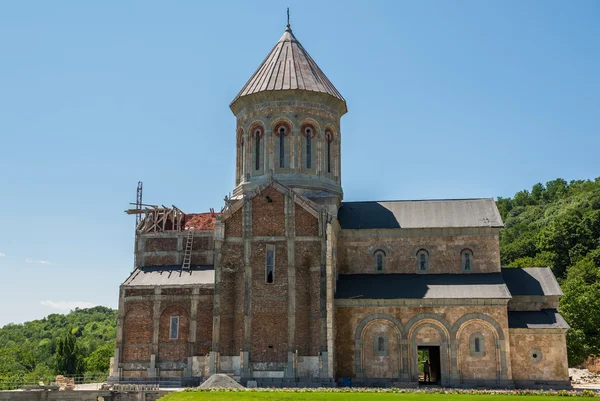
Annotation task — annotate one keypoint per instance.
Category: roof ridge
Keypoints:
(417, 200)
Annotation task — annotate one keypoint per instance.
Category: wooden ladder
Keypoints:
(187, 256)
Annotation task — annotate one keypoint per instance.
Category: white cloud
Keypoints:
(41, 262)
(2, 254)
(67, 305)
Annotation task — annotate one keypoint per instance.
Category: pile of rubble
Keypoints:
(220, 381)
(584, 376)
(64, 383)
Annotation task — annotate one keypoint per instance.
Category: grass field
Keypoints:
(257, 395)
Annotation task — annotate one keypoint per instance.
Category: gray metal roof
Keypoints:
(289, 66)
(419, 214)
(531, 281)
(421, 286)
(544, 319)
(171, 275)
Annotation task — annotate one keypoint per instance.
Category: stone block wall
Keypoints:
(356, 248)
(449, 327)
(539, 355)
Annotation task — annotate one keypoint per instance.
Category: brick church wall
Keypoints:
(269, 305)
(174, 349)
(137, 331)
(268, 217)
(308, 259)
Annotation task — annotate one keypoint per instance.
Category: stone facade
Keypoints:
(285, 284)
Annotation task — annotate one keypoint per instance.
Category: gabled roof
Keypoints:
(421, 286)
(443, 213)
(544, 319)
(171, 276)
(308, 205)
(287, 67)
(531, 281)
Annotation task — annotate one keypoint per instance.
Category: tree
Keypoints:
(67, 357)
(581, 308)
(99, 360)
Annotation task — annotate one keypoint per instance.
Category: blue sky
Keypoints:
(446, 100)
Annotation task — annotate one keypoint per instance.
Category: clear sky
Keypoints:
(446, 99)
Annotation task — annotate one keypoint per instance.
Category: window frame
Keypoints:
(308, 151)
(464, 255)
(281, 129)
(422, 252)
(376, 254)
(376, 349)
(257, 133)
(174, 326)
(328, 148)
(473, 339)
(270, 249)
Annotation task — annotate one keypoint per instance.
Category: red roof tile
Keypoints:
(200, 221)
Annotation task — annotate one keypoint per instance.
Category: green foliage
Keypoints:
(557, 225)
(58, 344)
(67, 357)
(99, 360)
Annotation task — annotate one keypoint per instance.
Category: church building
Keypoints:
(288, 285)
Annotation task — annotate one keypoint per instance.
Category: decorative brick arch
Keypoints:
(310, 123)
(477, 316)
(256, 125)
(358, 334)
(282, 122)
(431, 316)
(137, 323)
(496, 329)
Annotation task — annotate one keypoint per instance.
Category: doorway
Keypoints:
(429, 355)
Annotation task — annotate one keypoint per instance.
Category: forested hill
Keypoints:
(42, 348)
(557, 225)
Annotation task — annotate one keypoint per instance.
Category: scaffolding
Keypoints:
(154, 218)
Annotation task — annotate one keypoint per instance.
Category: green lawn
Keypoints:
(257, 395)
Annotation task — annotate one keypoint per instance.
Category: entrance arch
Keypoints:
(430, 330)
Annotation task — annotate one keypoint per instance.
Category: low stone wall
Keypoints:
(83, 395)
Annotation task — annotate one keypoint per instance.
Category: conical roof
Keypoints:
(287, 67)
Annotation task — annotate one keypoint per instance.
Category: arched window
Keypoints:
(281, 130)
(308, 147)
(329, 140)
(380, 345)
(467, 260)
(379, 256)
(281, 147)
(270, 265)
(240, 155)
(477, 344)
(257, 153)
(257, 134)
(422, 261)
(308, 131)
